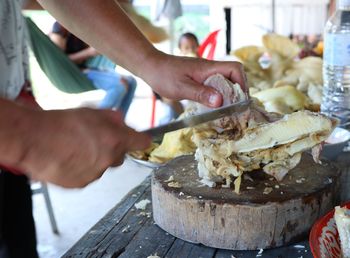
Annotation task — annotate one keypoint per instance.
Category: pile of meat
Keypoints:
(254, 139)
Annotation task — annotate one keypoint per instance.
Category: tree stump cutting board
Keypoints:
(265, 214)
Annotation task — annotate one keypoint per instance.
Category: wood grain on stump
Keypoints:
(343, 164)
(220, 218)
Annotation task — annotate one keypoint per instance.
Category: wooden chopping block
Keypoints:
(343, 163)
(220, 218)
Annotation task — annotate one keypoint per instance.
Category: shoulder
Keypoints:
(57, 28)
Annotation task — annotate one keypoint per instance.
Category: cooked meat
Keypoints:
(255, 138)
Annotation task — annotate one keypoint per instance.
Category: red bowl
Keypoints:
(324, 238)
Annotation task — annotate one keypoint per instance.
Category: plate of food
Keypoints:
(142, 157)
(174, 144)
(145, 163)
(285, 83)
(330, 235)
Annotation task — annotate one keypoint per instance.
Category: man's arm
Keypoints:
(59, 41)
(31, 5)
(108, 29)
(70, 148)
(12, 124)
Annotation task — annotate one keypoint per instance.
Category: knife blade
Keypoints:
(157, 133)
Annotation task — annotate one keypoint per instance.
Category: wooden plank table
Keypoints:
(126, 232)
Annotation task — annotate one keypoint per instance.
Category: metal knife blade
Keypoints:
(158, 132)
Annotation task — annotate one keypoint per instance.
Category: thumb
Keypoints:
(137, 141)
(133, 140)
(116, 117)
(195, 91)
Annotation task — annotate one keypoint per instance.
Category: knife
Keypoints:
(157, 133)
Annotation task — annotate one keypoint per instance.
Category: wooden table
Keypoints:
(126, 232)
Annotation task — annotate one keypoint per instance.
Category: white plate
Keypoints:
(339, 135)
(145, 163)
(335, 143)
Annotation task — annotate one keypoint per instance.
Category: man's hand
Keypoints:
(70, 148)
(182, 78)
(75, 147)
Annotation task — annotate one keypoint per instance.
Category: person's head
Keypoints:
(188, 44)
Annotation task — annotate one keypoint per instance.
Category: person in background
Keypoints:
(188, 45)
(119, 89)
(72, 148)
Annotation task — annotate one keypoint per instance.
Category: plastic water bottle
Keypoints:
(336, 65)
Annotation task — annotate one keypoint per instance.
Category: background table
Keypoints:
(126, 232)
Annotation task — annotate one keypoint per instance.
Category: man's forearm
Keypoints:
(106, 27)
(31, 5)
(13, 133)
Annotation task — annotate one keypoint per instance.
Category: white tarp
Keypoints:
(250, 19)
(300, 17)
(170, 9)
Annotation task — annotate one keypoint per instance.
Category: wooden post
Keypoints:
(273, 15)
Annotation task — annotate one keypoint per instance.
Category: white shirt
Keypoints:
(13, 49)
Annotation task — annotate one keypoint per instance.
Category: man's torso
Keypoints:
(13, 49)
